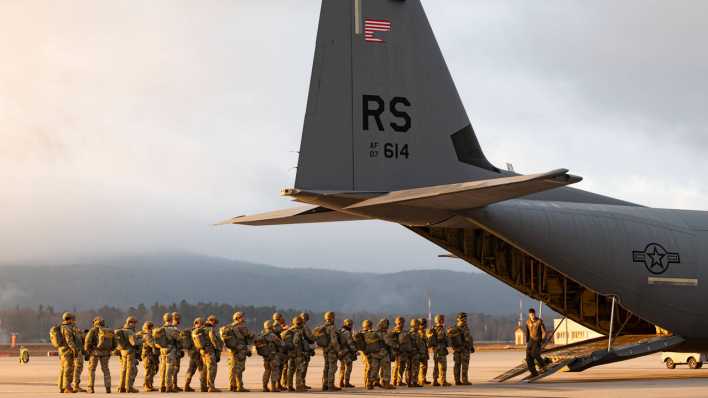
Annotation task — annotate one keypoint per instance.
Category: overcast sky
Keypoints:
(131, 126)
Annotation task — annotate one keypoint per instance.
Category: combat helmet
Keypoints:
(439, 318)
(366, 324)
(268, 325)
(383, 324)
(347, 323)
(98, 321)
(67, 316)
(329, 316)
(237, 316)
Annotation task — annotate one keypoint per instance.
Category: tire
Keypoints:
(693, 364)
(669, 363)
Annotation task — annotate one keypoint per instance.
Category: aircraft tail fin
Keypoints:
(383, 112)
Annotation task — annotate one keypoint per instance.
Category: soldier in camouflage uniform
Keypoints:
(176, 321)
(297, 348)
(347, 355)
(415, 353)
(168, 353)
(150, 355)
(78, 359)
(391, 346)
(237, 340)
(360, 342)
(99, 354)
(279, 326)
(439, 341)
(67, 353)
(330, 352)
(212, 353)
(375, 350)
(310, 342)
(402, 353)
(270, 346)
(127, 344)
(462, 346)
(423, 369)
(195, 361)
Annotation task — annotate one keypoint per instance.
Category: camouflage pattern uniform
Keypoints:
(211, 353)
(237, 340)
(176, 320)
(279, 326)
(168, 355)
(375, 350)
(330, 353)
(347, 355)
(423, 334)
(297, 348)
(79, 358)
(310, 342)
(270, 346)
(128, 363)
(150, 355)
(439, 341)
(414, 355)
(402, 353)
(390, 347)
(67, 353)
(97, 355)
(462, 345)
(195, 359)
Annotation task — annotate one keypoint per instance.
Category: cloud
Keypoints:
(128, 126)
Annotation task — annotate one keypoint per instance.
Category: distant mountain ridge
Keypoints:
(124, 281)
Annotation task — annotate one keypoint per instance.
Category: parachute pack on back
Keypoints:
(321, 335)
(56, 337)
(159, 334)
(106, 339)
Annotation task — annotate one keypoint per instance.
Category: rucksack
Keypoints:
(373, 342)
(321, 336)
(406, 345)
(359, 341)
(160, 336)
(56, 337)
(455, 337)
(228, 336)
(105, 340)
(185, 340)
(262, 346)
(122, 339)
(199, 338)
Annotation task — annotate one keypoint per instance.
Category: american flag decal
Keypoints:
(371, 26)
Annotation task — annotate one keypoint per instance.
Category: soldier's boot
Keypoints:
(187, 382)
(90, 390)
(445, 383)
(334, 388)
(265, 387)
(436, 384)
(369, 386)
(133, 390)
(213, 389)
(177, 389)
(163, 389)
(388, 386)
(349, 385)
(108, 390)
(79, 389)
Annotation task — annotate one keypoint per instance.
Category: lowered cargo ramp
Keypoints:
(584, 355)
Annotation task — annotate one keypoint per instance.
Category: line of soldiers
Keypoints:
(286, 350)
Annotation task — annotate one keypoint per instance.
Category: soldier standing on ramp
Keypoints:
(99, 344)
(165, 340)
(440, 342)
(390, 345)
(535, 335)
(402, 354)
(79, 358)
(413, 359)
(462, 346)
(310, 342)
(297, 348)
(423, 334)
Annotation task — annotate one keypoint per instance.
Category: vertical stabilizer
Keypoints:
(383, 112)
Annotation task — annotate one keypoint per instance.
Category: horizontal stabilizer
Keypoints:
(474, 194)
(298, 215)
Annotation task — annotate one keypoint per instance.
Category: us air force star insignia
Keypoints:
(655, 258)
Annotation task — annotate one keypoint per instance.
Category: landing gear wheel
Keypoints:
(693, 364)
(669, 363)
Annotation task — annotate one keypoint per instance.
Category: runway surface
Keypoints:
(643, 377)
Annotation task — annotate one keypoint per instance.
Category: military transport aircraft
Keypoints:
(386, 137)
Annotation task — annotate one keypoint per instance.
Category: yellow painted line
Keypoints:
(357, 17)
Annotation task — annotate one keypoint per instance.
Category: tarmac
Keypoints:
(643, 377)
